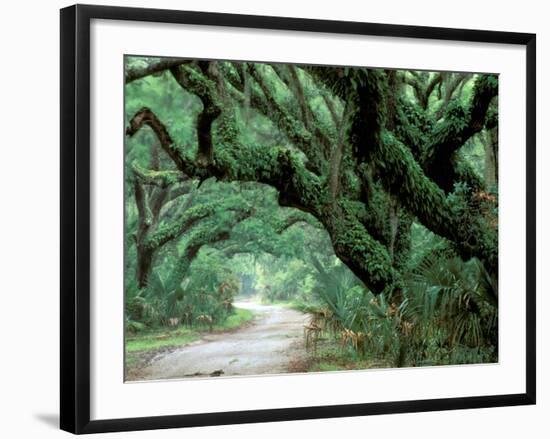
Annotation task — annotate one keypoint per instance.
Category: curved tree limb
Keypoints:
(133, 74)
(403, 177)
(451, 86)
(188, 219)
(292, 127)
(162, 179)
(284, 170)
(205, 89)
(457, 127)
(204, 234)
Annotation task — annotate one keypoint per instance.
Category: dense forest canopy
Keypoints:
(370, 195)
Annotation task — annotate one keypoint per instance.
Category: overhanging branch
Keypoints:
(133, 74)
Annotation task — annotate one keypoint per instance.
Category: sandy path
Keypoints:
(268, 345)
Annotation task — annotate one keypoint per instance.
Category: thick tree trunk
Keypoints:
(144, 265)
(491, 158)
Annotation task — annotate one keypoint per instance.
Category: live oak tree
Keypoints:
(366, 152)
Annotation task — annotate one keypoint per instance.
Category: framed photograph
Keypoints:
(268, 218)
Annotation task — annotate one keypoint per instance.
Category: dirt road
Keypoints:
(268, 345)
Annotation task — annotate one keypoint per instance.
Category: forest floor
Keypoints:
(271, 343)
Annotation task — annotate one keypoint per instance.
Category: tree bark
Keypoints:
(490, 145)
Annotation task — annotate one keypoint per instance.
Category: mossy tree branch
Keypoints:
(196, 81)
(458, 126)
(132, 74)
(403, 177)
(162, 179)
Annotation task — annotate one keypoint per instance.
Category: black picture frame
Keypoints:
(75, 217)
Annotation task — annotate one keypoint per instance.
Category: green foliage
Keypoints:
(448, 315)
(450, 312)
(291, 280)
(147, 340)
